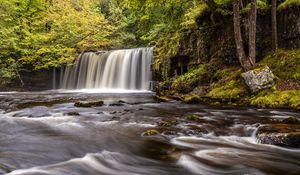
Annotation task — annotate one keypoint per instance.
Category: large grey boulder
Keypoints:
(259, 79)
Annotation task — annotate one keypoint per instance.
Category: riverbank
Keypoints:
(214, 83)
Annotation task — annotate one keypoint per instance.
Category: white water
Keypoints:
(118, 70)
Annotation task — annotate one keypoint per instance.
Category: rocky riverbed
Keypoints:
(88, 133)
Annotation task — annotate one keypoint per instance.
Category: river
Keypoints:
(43, 133)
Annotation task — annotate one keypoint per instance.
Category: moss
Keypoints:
(150, 132)
(226, 83)
(288, 3)
(187, 82)
(161, 98)
(277, 99)
(194, 13)
(193, 118)
(232, 89)
(165, 124)
(285, 64)
(262, 5)
(223, 76)
(193, 99)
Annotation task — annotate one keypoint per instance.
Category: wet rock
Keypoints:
(259, 79)
(140, 109)
(150, 132)
(291, 120)
(127, 110)
(114, 112)
(116, 104)
(195, 118)
(100, 112)
(115, 118)
(193, 130)
(165, 124)
(287, 135)
(170, 133)
(161, 98)
(89, 104)
(72, 114)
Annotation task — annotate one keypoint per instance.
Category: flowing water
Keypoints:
(45, 134)
(118, 69)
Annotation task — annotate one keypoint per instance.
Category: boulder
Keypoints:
(72, 114)
(286, 135)
(89, 104)
(259, 79)
(291, 120)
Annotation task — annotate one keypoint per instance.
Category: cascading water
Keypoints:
(119, 69)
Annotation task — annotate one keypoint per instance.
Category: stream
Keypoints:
(43, 133)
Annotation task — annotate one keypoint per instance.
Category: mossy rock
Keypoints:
(193, 117)
(165, 124)
(286, 135)
(277, 99)
(89, 104)
(193, 99)
(150, 132)
(291, 120)
(161, 98)
(190, 80)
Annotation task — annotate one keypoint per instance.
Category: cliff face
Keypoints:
(33, 81)
(216, 40)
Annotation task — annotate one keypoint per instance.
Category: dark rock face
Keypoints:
(289, 28)
(287, 135)
(89, 104)
(33, 81)
(217, 41)
(259, 79)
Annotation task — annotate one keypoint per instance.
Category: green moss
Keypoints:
(165, 124)
(288, 3)
(285, 64)
(193, 99)
(193, 118)
(277, 99)
(187, 82)
(231, 89)
(261, 5)
(150, 132)
(161, 99)
(194, 13)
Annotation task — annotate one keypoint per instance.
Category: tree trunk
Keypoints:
(252, 33)
(274, 26)
(244, 61)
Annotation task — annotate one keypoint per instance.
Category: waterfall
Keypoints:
(119, 69)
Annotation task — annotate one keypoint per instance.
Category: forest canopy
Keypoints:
(38, 34)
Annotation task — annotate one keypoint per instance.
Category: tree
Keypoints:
(246, 62)
(274, 26)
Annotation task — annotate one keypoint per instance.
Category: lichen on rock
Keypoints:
(259, 79)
